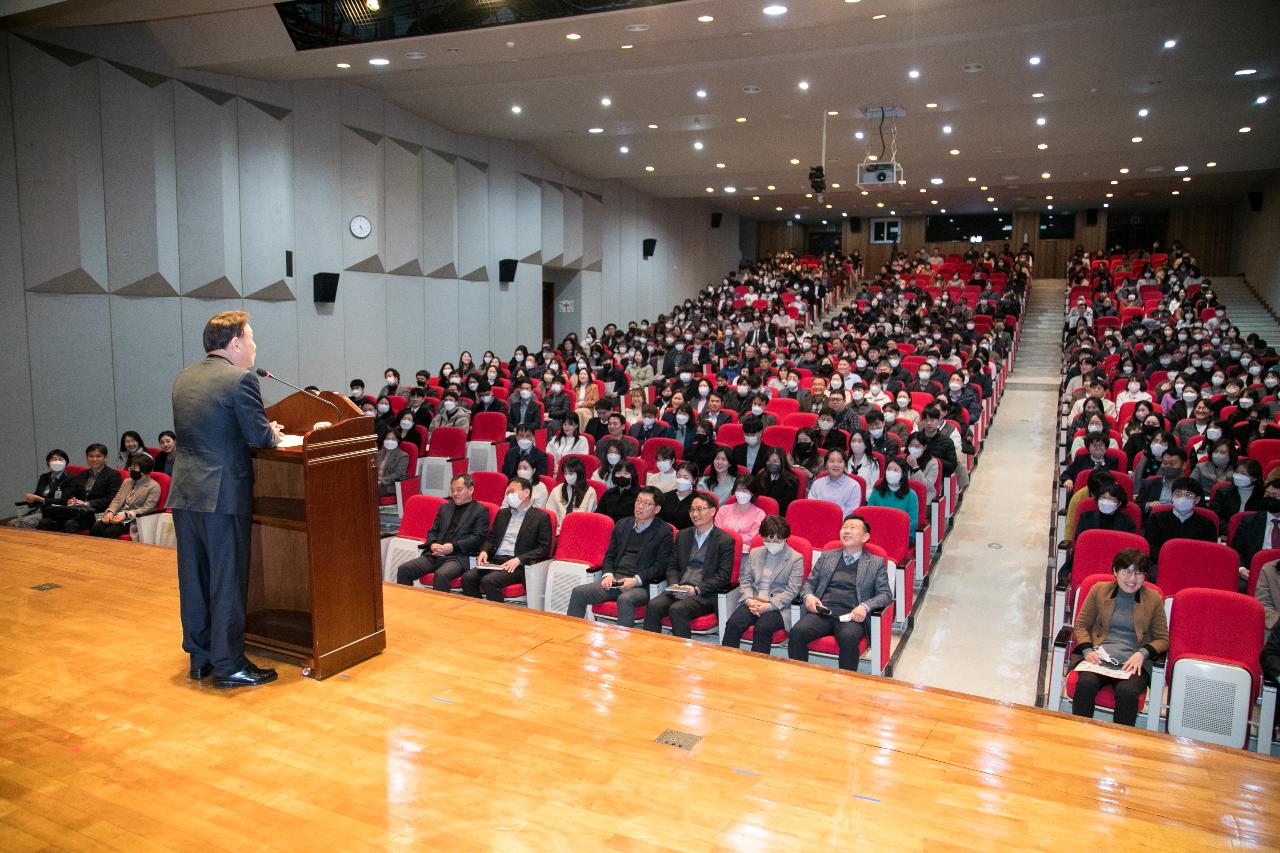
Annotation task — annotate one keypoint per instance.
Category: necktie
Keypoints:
(1275, 532)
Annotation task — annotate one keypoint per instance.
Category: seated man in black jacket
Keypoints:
(456, 535)
(639, 551)
(1095, 458)
(92, 491)
(522, 450)
(521, 534)
(53, 488)
(1180, 522)
(1261, 530)
(700, 568)
(940, 445)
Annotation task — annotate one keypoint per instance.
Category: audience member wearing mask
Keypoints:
(1243, 494)
(894, 491)
(93, 489)
(574, 493)
(523, 450)
(739, 514)
(393, 465)
(1107, 514)
(1179, 522)
(53, 488)
(769, 582)
(674, 506)
(138, 496)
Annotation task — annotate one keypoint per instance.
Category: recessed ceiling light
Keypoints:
(808, 195)
(880, 17)
(415, 54)
(1245, 72)
(731, 190)
(857, 134)
(1124, 170)
(372, 5)
(864, 192)
(845, 215)
(1181, 168)
(379, 60)
(705, 19)
(797, 216)
(879, 204)
(710, 189)
(1042, 146)
(1048, 198)
(595, 130)
(572, 36)
(914, 74)
(1106, 204)
(606, 102)
(636, 28)
(1186, 179)
(954, 152)
(931, 106)
(755, 198)
(653, 127)
(1245, 129)
(991, 198)
(1261, 99)
(622, 149)
(1041, 121)
(778, 209)
(701, 93)
(1114, 182)
(697, 145)
(719, 165)
(344, 64)
(795, 162)
(1211, 164)
(983, 187)
(944, 210)
(923, 190)
(740, 119)
(1045, 175)
(1111, 195)
(893, 213)
(1170, 44)
(1034, 60)
(1176, 192)
(833, 112)
(935, 181)
(627, 46)
(835, 186)
(648, 168)
(1136, 139)
(775, 9)
(803, 85)
(995, 210)
(972, 179)
(771, 188)
(517, 109)
(933, 201)
(1037, 94)
(1049, 207)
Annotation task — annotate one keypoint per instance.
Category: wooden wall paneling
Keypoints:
(1205, 231)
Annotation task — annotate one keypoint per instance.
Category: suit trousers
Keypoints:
(766, 625)
(1126, 692)
(812, 626)
(594, 593)
(445, 570)
(109, 531)
(681, 612)
(490, 583)
(213, 585)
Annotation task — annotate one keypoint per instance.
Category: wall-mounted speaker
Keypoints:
(325, 286)
(649, 246)
(715, 219)
(855, 224)
(1091, 216)
(1255, 201)
(507, 270)
(288, 263)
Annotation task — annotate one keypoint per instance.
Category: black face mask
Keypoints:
(623, 483)
(135, 475)
(1271, 504)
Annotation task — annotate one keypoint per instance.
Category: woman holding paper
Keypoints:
(1118, 630)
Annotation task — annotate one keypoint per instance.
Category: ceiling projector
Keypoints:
(879, 174)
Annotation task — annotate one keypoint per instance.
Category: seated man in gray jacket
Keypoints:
(841, 592)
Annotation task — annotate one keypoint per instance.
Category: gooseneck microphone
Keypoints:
(266, 374)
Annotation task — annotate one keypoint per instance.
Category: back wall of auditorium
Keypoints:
(137, 199)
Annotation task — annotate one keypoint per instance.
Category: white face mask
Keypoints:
(1241, 480)
(514, 500)
(893, 478)
(742, 497)
(775, 548)
(1183, 505)
(877, 432)
(752, 440)
(526, 394)
(1107, 506)
(570, 477)
(664, 465)
(383, 408)
(915, 452)
(1213, 433)
(406, 425)
(647, 421)
(682, 419)
(556, 387)
(683, 484)
(390, 444)
(527, 473)
(486, 398)
(890, 417)
(450, 405)
(524, 443)
(613, 458)
(757, 410)
(1157, 450)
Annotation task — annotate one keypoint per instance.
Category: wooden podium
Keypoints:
(315, 579)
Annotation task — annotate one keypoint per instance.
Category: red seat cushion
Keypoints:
(427, 579)
(1106, 696)
(827, 645)
(779, 636)
(705, 622)
(515, 590)
(610, 609)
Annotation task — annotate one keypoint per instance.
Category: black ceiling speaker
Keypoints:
(715, 219)
(855, 224)
(650, 245)
(507, 270)
(1255, 201)
(1091, 216)
(325, 285)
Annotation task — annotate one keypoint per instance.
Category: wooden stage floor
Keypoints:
(488, 727)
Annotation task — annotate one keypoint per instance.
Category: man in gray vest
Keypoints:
(700, 568)
(217, 409)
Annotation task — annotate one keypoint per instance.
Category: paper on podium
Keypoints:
(290, 441)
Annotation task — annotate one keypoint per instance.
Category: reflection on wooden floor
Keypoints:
(487, 727)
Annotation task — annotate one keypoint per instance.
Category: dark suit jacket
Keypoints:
(533, 542)
(532, 417)
(1084, 462)
(103, 491)
(1163, 526)
(1148, 490)
(468, 537)
(514, 454)
(872, 581)
(66, 487)
(1250, 537)
(655, 553)
(718, 569)
(1226, 502)
(718, 420)
(738, 456)
(496, 406)
(942, 449)
(164, 463)
(217, 409)
(641, 435)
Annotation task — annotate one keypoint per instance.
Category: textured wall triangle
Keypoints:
(554, 185)
(65, 55)
(277, 113)
(373, 263)
(412, 147)
(444, 155)
(277, 291)
(574, 264)
(446, 271)
(411, 268)
(214, 95)
(596, 196)
(483, 167)
(557, 262)
(481, 274)
(531, 179)
(153, 285)
(595, 267)
(535, 258)
(219, 288)
(575, 191)
(367, 135)
(146, 78)
(76, 281)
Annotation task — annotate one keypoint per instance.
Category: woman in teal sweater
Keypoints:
(894, 490)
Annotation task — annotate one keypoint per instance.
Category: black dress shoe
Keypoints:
(250, 676)
(201, 672)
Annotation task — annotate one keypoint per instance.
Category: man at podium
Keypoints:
(217, 409)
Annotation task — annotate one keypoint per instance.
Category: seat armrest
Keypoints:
(1063, 640)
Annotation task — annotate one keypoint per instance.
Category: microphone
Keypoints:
(265, 374)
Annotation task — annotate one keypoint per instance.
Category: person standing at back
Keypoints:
(217, 409)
